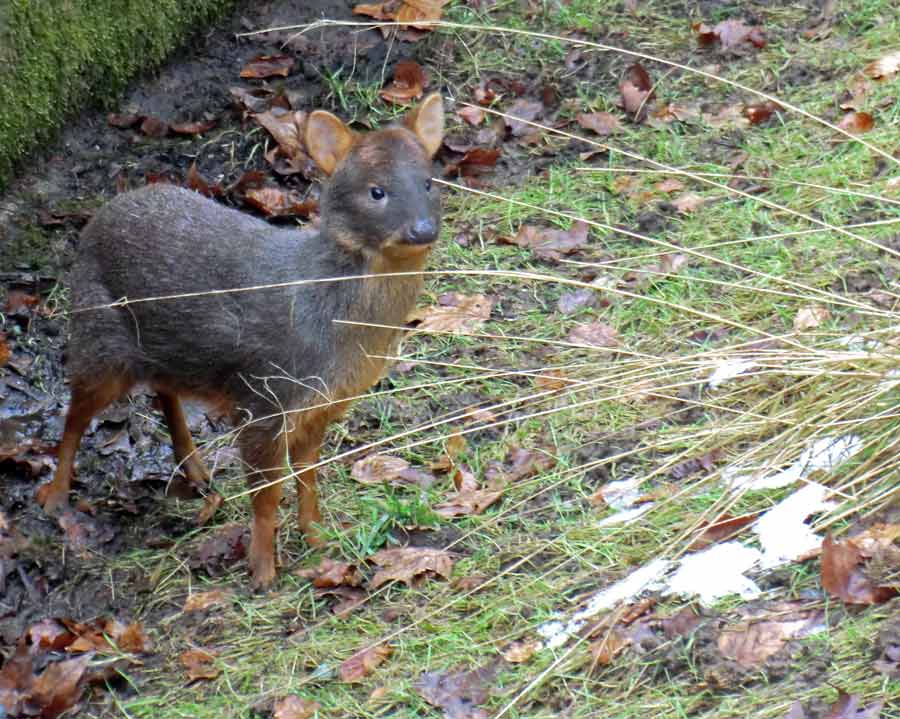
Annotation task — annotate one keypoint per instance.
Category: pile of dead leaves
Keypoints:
(56, 660)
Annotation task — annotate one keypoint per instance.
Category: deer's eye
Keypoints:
(428, 185)
(377, 193)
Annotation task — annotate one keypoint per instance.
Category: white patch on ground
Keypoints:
(622, 494)
(716, 572)
(825, 454)
(783, 532)
(557, 633)
(625, 516)
(728, 369)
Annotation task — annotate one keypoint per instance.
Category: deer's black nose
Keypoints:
(422, 232)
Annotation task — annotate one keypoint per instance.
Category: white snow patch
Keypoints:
(824, 454)
(716, 572)
(625, 516)
(725, 370)
(557, 633)
(783, 532)
(622, 494)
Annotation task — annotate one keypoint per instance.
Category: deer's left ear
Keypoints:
(427, 122)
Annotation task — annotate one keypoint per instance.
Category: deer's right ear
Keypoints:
(328, 140)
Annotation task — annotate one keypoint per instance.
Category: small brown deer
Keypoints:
(278, 360)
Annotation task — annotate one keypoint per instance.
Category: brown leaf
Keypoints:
(668, 185)
(688, 202)
(603, 123)
(378, 468)
(200, 664)
(857, 122)
(636, 88)
(842, 575)
(286, 127)
(268, 66)
(218, 551)
(59, 688)
(49, 635)
(549, 243)
(724, 528)
(730, 34)
(254, 99)
(476, 161)
(456, 313)
(201, 601)
(706, 462)
(406, 564)
(605, 649)
(294, 707)
(808, 318)
(552, 379)
(415, 13)
(847, 707)
(196, 182)
(570, 302)
(525, 463)
(523, 110)
(154, 127)
(278, 202)
(520, 651)
(594, 334)
(759, 113)
(884, 68)
(364, 662)
(408, 84)
(122, 121)
(751, 642)
(680, 624)
(457, 693)
(133, 639)
(19, 300)
(467, 501)
(5, 350)
(198, 127)
(331, 573)
(473, 115)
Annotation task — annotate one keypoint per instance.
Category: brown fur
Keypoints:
(277, 360)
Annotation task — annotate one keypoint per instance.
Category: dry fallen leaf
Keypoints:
(759, 113)
(199, 601)
(570, 302)
(364, 662)
(602, 123)
(154, 127)
(688, 202)
(842, 574)
(730, 34)
(521, 651)
(456, 312)
(331, 573)
(278, 202)
(884, 68)
(670, 184)
(857, 122)
(636, 88)
(415, 13)
(378, 468)
(122, 120)
(468, 501)
(549, 243)
(477, 161)
(473, 115)
(198, 127)
(406, 564)
(723, 529)
(286, 127)
(59, 688)
(754, 640)
(605, 649)
(408, 84)
(294, 707)
(457, 693)
(808, 318)
(199, 664)
(523, 110)
(268, 66)
(594, 334)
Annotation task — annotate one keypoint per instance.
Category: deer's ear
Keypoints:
(328, 140)
(427, 122)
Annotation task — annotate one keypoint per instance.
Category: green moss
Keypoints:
(58, 54)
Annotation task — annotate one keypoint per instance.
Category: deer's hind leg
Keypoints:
(89, 397)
